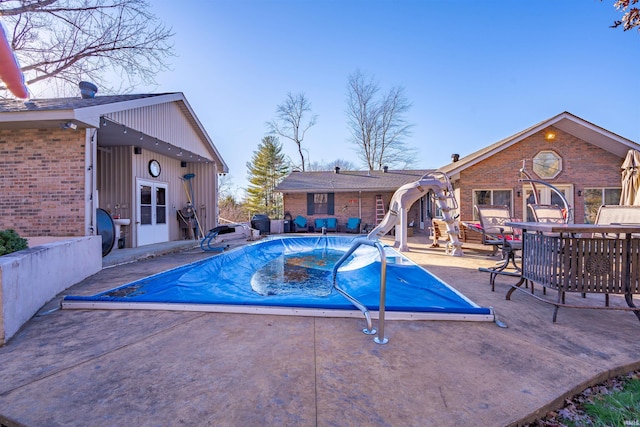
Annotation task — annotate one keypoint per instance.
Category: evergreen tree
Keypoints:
(267, 169)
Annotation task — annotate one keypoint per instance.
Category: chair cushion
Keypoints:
(353, 223)
(320, 222)
(300, 221)
(332, 222)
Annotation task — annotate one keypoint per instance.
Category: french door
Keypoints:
(152, 225)
(546, 196)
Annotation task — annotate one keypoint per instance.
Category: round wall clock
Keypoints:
(154, 168)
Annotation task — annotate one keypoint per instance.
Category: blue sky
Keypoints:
(475, 71)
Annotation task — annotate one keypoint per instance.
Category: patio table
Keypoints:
(580, 258)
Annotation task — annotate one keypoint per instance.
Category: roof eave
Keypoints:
(609, 141)
(335, 190)
(89, 116)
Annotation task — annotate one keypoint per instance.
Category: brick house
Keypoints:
(346, 194)
(63, 159)
(579, 158)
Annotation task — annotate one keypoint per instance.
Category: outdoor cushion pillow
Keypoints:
(321, 222)
(300, 221)
(353, 223)
(332, 222)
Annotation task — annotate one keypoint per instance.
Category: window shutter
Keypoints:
(330, 203)
(310, 204)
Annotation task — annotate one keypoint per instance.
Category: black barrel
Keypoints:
(262, 223)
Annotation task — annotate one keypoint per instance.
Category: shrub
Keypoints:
(10, 242)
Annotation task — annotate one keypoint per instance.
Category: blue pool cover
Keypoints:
(230, 279)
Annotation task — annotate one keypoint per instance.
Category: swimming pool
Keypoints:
(293, 275)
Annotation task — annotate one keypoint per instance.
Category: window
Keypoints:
(547, 164)
(320, 203)
(145, 204)
(491, 197)
(161, 205)
(596, 197)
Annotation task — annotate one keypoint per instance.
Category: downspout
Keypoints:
(91, 156)
(216, 197)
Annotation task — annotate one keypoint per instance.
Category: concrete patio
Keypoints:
(153, 368)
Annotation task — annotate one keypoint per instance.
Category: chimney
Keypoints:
(337, 169)
(455, 157)
(87, 90)
(385, 169)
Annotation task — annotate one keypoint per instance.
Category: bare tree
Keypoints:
(346, 165)
(289, 121)
(631, 17)
(377, 124)
(62, 42)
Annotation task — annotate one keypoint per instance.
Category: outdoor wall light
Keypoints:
(550, 136)
(579, 193)
(69, 125)
(518, 193)
(125, 129)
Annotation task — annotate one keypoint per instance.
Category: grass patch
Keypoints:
(616, 402)
(620, 408)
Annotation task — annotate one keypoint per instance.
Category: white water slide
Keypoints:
(406, 196)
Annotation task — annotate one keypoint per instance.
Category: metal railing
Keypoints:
(380, 338)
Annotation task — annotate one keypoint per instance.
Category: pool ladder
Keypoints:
(369, 330)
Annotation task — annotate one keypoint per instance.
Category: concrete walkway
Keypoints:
(161, 368)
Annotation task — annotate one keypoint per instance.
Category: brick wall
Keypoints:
(42, 182)
(583, 165)
(346, 206)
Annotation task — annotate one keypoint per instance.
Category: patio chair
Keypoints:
(502, 237)
(328, 224)
(491, 224)
(618, 214)
(353, 225)
(548, 213)
(300, 224)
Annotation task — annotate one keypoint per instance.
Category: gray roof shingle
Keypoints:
(48, 104)
(329, 181)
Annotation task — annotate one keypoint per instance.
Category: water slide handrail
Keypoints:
(403, 199)
(443, 177)
(383, 288)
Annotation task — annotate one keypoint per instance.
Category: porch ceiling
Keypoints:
(113, 134)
